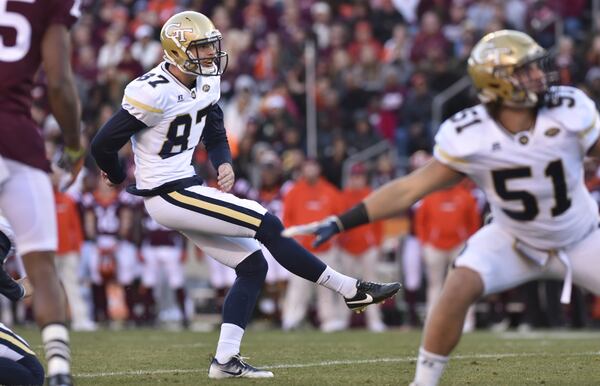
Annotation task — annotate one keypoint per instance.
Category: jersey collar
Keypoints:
(191, 91)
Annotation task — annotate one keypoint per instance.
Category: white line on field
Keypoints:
(334, 363)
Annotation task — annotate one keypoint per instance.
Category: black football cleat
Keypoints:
(235, 368)
(59, 380)
(368, 293)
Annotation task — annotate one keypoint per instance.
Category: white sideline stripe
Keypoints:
(333, 363)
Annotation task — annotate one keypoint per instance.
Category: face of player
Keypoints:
(206, 53)
(532, 77)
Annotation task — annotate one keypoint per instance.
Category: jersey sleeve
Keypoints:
(143, 102)
(587, 121)
(578, 114)
(65, 12)
(451, 148)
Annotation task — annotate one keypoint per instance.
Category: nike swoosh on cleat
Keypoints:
(234, 373)
(368, 299)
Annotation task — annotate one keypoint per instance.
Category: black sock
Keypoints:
(241, 299)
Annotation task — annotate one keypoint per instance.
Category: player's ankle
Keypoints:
(430, 368)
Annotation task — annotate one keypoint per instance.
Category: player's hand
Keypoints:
(71, 161)
(324, 230)
(225, 177)
(106, 180)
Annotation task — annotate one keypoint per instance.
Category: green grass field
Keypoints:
(149, 357)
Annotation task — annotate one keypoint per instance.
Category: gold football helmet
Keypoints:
(186, 38)
(510, 67)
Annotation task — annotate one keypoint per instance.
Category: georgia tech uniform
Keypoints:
(545, 222)
(222, 224)
(12, 346)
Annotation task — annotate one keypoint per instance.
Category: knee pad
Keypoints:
(253, 265)
(270, 227)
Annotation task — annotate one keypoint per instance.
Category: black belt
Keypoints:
(167, 187)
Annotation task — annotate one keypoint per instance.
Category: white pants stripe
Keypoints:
(221, 224)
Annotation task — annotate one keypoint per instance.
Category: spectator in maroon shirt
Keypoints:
(430, 40)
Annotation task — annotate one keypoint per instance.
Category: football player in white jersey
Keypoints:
(166, 112)
(524, 146)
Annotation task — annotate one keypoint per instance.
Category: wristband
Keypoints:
(74, 154)
(354, 217)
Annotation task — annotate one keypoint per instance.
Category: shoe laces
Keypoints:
(241, 359)
(368, 285)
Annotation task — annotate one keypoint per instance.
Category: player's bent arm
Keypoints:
(111, 137)
(399, 194)
(62, 94)
(214, 138)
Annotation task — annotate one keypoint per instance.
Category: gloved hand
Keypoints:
(70, 161)
(324, 230)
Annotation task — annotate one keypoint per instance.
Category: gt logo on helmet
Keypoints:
(178, 33)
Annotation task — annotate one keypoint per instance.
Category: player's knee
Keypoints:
(269, 228)
(464, 284)
(253, 265)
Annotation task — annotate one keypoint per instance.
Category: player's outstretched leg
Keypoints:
(237, 310)
(444, 324)
(293, 257)
(50, 308)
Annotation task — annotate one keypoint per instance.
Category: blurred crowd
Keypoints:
(379, 66)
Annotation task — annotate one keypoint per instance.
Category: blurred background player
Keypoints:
(359, 248)
(39, 35)
(444, 220)
(311, 198)
(270, 195)
(162, 251)
(108, 221)
(68, 256)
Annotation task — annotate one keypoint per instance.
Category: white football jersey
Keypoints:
(533, 180)
(175, 116)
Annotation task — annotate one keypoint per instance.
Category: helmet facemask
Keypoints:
(531, 79)
(206, 65)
